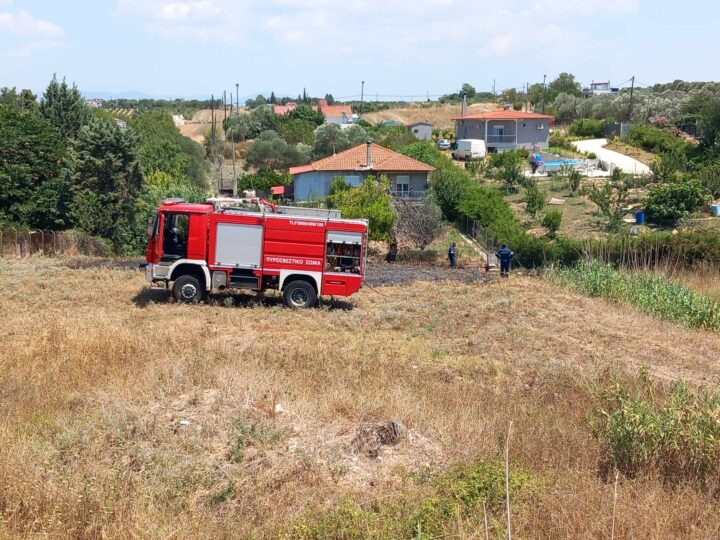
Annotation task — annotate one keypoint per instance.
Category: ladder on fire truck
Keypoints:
(248, 204)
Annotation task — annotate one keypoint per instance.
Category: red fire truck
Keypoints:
(251, 244)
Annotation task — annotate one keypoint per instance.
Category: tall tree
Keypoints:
(330, 99)
(469, 90)
(107, 181)
(65, 108)
(273, 99)
(23, 100)
(565, 83)
(32, 165)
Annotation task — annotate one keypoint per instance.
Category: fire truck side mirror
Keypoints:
(151, 225)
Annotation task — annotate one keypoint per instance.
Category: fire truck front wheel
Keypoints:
(299, 294)
(188, 289)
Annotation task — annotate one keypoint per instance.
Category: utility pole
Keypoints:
(527, 97)
(212, 137)
(362, 97)
(543, 96)
(232, 141)
(632, 90)
(225, 104)
(237, 97)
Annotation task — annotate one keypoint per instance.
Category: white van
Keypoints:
(468, 149)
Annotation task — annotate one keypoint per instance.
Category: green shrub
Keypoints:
(535, 199)
(709, 176)
(449, 186)
(426, 152)
(676, 436)
(674, 200)
(574, 179)
(588, 128)
(610, 200)
(552, 221)
(559, 140)
(654, 139)
(650, 293)
(370, 200)
(263, 180)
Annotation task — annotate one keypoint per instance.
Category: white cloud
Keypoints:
(400, 30)
(29, 34)
(25, 25)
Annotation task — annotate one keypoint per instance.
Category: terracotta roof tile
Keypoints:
(336, 110)
(355, 159)
(506, 115)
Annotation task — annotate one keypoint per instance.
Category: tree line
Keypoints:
(63, 165)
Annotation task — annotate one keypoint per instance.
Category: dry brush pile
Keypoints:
(124, 415)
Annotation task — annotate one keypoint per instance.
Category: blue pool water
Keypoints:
(563, 162)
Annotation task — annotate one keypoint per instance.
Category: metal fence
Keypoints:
(24, 242)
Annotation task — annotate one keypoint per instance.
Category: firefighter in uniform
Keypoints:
(504, 254)
(452, 254)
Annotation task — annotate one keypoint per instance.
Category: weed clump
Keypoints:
(249, 434)
(675, 434)
(431, 510)
(651, 293)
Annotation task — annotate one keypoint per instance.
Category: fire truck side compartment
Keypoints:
(238, 245)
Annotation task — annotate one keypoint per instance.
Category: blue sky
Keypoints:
(399, 47)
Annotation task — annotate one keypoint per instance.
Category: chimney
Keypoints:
(464, 106)
(369, 155)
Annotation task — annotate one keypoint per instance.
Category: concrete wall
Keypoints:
(316, 184)
(422, 132)
(529, 135)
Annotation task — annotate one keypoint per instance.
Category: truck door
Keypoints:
(175, 236)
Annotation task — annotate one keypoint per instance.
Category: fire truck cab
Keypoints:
(195, 249)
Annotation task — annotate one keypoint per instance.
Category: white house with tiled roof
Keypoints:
(408, 177)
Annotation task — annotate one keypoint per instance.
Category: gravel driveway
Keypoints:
(626, 163)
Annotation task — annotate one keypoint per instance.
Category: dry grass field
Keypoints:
(125, 415)
(197, 127)
(440, 116)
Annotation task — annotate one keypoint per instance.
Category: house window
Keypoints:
(416, 131)
(540, 127)
(402, 186)
(353, 180)
(498, 131)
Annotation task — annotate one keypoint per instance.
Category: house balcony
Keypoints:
(501, 141)
(415, 195)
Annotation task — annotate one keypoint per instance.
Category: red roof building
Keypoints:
(408, 177)
(284, 109)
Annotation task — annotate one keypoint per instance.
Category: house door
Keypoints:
(498, 131)
(402, 186)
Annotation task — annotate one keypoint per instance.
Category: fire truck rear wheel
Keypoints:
(299, 294)
(188, 289)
